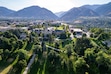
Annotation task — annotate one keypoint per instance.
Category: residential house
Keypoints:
(77, 32)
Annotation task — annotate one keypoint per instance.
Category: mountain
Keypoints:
(104, 9)
(78, 12)
(34, 12)
(60, 14)
(92, 7)
(5, 11)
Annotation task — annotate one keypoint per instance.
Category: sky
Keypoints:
(53, 5)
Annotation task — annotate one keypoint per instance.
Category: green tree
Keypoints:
(81, 66)
(96, 31)
(6, 54)
(1, 54)
(57, 44)
(53, 63)
(63, 36)
(103, 61)
(103, 36)
(69, 49)
(22, 54)
(81, 45)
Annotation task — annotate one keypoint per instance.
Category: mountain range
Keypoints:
(5, 11)
(29, 12)
(104, 9)
(78, 12)
(45, 14)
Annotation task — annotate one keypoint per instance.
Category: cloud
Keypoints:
(55, 5)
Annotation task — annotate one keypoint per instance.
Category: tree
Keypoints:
(43, 45)
(0, 57)
(53, 63)
(63, 36)
(4, 43)
(103, 36)
(16, 32)
(81, 45)
(51, 38)
(81, 66)
(96, 31)
(103, 61)
(6, 54)
(57, 45)
(22, 63)
(90, 55)
(22, 54)
(1, 53)
(84, 35)
(19, 66)
(69, 49)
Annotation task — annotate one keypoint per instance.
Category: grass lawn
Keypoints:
(24, 45)
(3, 65)
(8, 66)
(29, 48)
(58, 28)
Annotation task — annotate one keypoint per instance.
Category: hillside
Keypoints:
(92, 7)
(34, 12)
(104, 9)
(78, 12)
(5, 11)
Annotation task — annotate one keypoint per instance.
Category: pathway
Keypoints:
(29, 64)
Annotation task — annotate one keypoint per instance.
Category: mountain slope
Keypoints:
(60, 14)
(34, 12)
(92, 7)
(104, 9)
(5, 11)
(78, 12)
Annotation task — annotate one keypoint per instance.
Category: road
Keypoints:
(29, 64)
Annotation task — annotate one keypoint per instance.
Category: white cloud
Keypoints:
(55, 5)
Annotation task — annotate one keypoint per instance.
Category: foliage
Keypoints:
(63, 36)
(81, 45)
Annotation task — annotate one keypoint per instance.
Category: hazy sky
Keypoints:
(53, 5)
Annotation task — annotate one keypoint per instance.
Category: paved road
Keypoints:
(29, 64)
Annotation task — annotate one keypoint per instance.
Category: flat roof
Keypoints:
(76, 29)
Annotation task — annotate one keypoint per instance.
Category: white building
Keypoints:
(46, 31)
(77, 32)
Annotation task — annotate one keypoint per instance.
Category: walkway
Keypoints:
(53, 48)
(29, 64)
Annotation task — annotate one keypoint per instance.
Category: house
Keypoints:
(38, 30)
(23, 36)
(58, 32)
(107, 42)
(3, 29)
(77, 32)
(48, 30)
